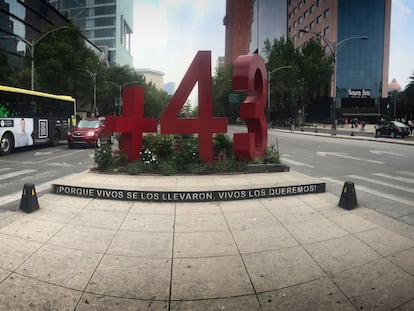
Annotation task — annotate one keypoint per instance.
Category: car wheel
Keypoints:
(7, 144)
(70, 146)
(99, 142)
(392, 135)
(377, 134)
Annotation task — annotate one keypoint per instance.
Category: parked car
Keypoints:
(392, 129)
(89, 132)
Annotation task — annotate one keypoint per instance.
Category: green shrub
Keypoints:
(177, 154)
(104, 157)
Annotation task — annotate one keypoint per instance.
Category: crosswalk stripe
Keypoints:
(406, 173)
(14, 174)
(403, 179)
(297, 163)
(382, 183)
(370, 191)
(17, 195)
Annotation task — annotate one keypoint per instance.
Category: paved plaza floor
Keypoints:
(298, 252)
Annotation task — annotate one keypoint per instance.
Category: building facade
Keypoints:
(106, 23)
(154, 76)
(249, 23)
(357, 33)
(238, 21)
(268, 23)
(27, 20)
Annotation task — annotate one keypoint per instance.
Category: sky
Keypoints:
(168, 33)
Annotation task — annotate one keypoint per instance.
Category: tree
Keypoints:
(296, 87)
(284, 83)
(221, 91)
(5, 70)
(315, 71)
(408, 98)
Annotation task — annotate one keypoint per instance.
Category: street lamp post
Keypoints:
(334, 48)
(31, 46)
(120, 86)
(92, 75)
(269, 75)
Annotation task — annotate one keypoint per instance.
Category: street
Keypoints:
(39, 166)
(383, 173)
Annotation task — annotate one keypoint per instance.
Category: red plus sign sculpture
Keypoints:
(132, 122)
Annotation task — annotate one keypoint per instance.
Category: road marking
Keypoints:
(406, 173)
(403, 179)
(382, 183)
(293, 162)
(17, 195)
(38, 153)
(370, 191)
(346, 156)
(60, 156)
(5, 169)
(14, 174)
(381, 152)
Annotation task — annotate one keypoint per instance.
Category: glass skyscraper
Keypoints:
(106, 23)
(361, 77)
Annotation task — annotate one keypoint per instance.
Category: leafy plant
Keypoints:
(178, 154)
(104, 157)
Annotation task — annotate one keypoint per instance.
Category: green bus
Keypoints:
(31, 118)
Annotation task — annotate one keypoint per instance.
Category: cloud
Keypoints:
(168, 33)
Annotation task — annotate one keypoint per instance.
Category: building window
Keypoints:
(306, 28)
(326, 32)
(326, 13)
(290, 15)
(290, 2)
(312, 25)
(306, 14)
(312, 8)
(300, 4)
(319, 19)
(299, 20)
(295, 10)
(318, 3)
(294, 24)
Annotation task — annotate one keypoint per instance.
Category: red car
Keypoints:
(89, 132)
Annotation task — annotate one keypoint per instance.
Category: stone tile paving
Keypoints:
(296, 253)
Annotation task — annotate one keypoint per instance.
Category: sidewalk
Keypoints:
(347, 132)
(288, 253)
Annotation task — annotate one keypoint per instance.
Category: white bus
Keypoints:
(31, 118)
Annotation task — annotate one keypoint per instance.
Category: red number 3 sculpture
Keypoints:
(249, 74)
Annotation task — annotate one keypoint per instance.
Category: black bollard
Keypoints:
(348, 198)
(29, 202)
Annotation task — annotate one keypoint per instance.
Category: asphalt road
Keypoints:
(382, 172)
(39, 166)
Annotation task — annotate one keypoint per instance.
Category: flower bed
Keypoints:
(178, 154)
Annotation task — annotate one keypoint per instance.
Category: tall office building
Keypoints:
(343, 26)
(250, 22)
(106, 23)
(268, 23)
(27, 20)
